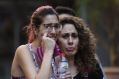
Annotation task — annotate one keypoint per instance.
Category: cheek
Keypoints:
(40, 34)
(42, 31)
(76, 43)
(62, 42)
(58, 32)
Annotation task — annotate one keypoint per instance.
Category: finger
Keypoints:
(64, 76)
(68, 72)
(68, 76)
(45, 35)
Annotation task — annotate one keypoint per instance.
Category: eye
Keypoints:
(57, 26)
(47, 25)
(74, 35)
(65, 36)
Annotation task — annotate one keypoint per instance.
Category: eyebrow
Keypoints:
(69, 33)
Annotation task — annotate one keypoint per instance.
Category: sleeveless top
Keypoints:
(37, 58)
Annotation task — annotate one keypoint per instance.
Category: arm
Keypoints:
(48, 45)
(45, 69)
(27, 65)
(25, 62)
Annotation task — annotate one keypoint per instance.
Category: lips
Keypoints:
(70, 49)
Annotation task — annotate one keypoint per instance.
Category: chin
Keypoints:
(70, 53)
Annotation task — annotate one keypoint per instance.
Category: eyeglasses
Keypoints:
(51, 25)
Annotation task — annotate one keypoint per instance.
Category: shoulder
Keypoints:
(21, 48)
(15, 70)
(22, 52)
(24, 56)
(97, 73)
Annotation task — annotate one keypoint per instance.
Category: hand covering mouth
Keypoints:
(52, 36)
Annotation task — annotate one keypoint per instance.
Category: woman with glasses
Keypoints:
(35, 59)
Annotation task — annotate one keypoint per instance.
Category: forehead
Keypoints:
(68, 28)
(64, 15)
(50, 19)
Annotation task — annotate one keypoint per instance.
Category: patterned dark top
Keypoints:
(97, 74)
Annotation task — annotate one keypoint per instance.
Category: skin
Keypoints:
(23, 64)
(64, 15)
(51, 31)
(69, 41)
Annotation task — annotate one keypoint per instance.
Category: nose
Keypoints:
(70, 41)
(53, 32)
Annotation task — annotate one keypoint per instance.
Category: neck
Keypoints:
(36, 43)
(70, 60)
(72, 66)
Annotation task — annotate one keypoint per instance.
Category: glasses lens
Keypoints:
(56, 26)
(51, 25)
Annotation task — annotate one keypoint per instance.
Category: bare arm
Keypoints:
(25, 62)
(45, 69)
(27, 65)
(48, 45)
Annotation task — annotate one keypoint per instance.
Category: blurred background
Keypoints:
(102, 16)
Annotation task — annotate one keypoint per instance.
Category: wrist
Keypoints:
(48, 52)
(47, 56)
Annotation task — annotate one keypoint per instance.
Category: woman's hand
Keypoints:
(48, 43)
(67, 75)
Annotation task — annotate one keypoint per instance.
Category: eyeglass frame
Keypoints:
(51, 25)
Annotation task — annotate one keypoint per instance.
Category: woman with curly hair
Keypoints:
(78, 45)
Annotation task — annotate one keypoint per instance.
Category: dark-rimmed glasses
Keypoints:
(50, 26)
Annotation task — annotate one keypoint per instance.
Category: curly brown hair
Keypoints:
(85, 56)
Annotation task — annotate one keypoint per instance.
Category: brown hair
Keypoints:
(85, 56)
(37, 18)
